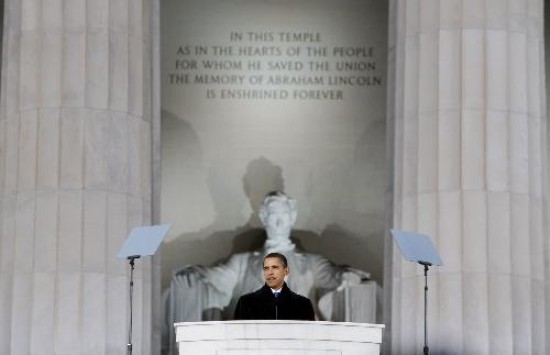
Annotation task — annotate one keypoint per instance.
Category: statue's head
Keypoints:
(278, 215)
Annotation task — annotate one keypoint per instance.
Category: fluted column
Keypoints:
(75, 175)
(469, 127)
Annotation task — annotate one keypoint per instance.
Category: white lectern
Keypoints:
(278, 337)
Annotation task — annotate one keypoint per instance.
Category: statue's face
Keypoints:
(278, 221)
(274, 272)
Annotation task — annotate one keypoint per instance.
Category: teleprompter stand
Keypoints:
(418, 248)
(131, 258)
(142, 241)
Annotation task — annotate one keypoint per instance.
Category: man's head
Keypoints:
(278, 215)
(275, 270)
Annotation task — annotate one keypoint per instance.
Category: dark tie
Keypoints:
(276, 294)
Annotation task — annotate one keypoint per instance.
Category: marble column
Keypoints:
(468, 116)
(75, 175)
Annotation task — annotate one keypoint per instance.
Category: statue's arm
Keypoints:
(327, 274)
(331, 276)
(195, 289)
(330, 279)
(213, 284)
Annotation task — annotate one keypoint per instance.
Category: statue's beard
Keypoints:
(278, 243)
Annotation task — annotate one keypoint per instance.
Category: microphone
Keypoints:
(276, 295)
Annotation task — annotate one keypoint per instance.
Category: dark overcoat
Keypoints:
(262, 304)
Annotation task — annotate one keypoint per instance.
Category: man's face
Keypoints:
(278, 222)
(274, 272)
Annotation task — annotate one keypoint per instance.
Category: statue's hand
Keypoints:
(362, 274)
(352, 277)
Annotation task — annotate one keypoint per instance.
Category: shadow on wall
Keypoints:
(336, 243)
(213, 244)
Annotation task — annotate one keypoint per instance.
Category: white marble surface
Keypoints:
(470, 144)
(75, 168)
(270, 337)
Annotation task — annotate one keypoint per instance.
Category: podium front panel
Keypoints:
(278, 337)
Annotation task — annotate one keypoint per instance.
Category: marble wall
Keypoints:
(468, 112)
(223, 151)
(75, 175)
